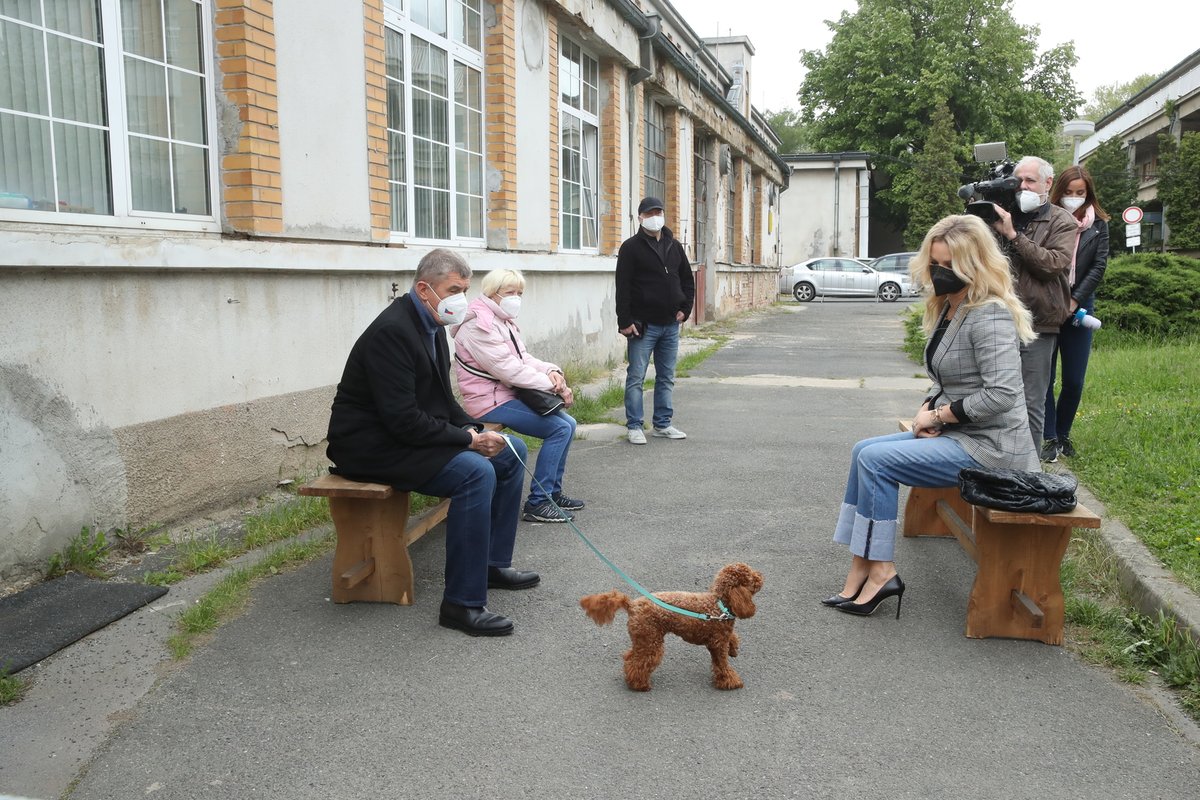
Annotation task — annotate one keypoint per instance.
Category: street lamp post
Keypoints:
(1078, 129)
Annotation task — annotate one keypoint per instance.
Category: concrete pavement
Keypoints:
(301, 698)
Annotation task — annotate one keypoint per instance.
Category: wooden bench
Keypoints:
(371, 562)
(1017, 592)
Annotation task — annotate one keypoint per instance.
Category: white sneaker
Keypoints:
(636, 436)
(670, 432)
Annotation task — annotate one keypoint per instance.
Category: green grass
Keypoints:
(85, 554)
(232, 593)
(589, 408)
(12, 687)
(1138, 437)
(285, 521)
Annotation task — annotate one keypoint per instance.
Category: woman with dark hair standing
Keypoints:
(1074, 191)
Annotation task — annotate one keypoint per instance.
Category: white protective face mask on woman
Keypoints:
(1072, 204)
(1028, 201)
(654, 224)
(450, 309)
(511, 305)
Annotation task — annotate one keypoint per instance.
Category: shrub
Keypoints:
(1151, 293)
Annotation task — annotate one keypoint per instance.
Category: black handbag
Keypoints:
(539, 401)
(1012, 490)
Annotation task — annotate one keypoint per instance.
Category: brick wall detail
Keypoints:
(251, 186)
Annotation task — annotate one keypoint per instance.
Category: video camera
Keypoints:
(1000, 187)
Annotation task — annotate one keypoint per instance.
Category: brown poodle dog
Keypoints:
(735, 586)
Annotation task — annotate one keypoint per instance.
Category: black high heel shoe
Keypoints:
(894, 586)
(836, 599)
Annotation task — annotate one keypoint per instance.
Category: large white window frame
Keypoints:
(579, 148)
(435, 127)
(122, 69)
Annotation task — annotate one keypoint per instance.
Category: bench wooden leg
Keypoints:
(1017, 592)
(921, 515)
(371, 562)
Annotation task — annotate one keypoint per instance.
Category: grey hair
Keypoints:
(437, 264)
(1045, 168)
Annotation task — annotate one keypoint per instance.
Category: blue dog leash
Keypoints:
(725, 615)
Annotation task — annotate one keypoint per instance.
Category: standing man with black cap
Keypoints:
(655, 290)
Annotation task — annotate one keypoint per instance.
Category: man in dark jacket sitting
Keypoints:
(655, 290)
(395, 421)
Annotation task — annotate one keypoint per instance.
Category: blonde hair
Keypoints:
(976, 258)
(498, 280)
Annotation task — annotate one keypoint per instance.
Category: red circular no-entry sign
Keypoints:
(1132, 215)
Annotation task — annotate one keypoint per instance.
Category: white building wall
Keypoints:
(821, 215)
(322, 127)
(533, 128)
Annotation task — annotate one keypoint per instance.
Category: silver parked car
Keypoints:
(841, 277)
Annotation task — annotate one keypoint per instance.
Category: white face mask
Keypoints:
(450, 309)
(511, 305)
(1072, 204)
(654, 224)
(1028, 201)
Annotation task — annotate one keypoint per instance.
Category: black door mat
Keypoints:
(46, 618)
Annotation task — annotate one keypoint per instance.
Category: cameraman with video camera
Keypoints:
(1039, 240)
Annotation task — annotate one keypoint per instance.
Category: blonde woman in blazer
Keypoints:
(973, 416)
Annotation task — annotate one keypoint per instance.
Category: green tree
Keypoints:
(1108, 98)
(1179, 188)
(1116, 186)
(932, 183)
(877, 84)
(790, 128)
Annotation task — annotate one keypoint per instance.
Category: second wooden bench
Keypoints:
(1017, 592)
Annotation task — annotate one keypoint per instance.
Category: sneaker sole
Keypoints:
(668, 436)
(535, 518)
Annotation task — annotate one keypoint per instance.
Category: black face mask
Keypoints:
(945, 281)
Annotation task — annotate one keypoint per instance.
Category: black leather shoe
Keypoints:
(473, 621)
(511, 578)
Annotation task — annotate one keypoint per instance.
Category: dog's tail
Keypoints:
(603, 607)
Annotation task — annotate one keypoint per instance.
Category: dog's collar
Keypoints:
(726, 614)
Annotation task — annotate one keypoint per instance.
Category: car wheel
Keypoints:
(803, 292)
(889, 292)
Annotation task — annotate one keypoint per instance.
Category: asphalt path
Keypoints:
(302, 698)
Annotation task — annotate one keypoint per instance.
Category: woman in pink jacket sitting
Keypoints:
(489, 340)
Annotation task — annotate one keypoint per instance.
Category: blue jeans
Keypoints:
(1074, 347)
(481, 526)
(663, 342)
(867, 522)
(556, 431)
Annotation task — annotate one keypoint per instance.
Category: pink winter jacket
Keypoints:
(482, 340)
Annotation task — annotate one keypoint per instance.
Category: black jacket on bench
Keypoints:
(395, 419)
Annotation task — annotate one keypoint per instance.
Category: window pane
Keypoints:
(146, 97)
(430, 14)
(470, 217)
(433, 214)
(73, 16)
(26, 169)
(141, 28)
(439, 120)
(150, 174)
(76, 80)
(420, 112)
(27, 10)
(398, 5)
(23, 63)
(183, 35)
(399, 195)
(395, 55)
(187, 107)
(190, 179)
(439, 168)
(83, 180)
(395, 108)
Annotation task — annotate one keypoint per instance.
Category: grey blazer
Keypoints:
(978, 361)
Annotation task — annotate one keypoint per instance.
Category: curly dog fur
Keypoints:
(735, 585)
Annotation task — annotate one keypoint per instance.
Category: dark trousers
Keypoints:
(481, 526)
(1073, 348)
